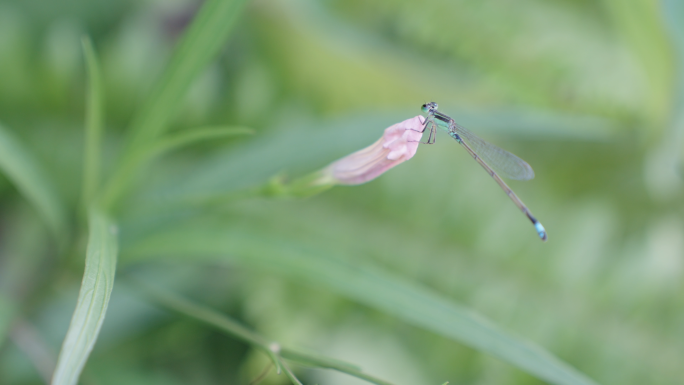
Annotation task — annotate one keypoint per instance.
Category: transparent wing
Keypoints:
(501, 161)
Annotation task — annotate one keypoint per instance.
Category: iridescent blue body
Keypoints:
(488, 156)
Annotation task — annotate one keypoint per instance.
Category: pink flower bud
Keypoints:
(398, 144)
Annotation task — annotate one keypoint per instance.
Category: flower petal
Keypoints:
(398, 144)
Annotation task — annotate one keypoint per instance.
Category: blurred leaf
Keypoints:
(23, 245)
(93, 298)
(19, 165)
(536, 125)
(548, 55)
(360, 282)
(93, 125)
(673, 12)
(7, 312)
(204, 38)
(641, 25)
(663, 162)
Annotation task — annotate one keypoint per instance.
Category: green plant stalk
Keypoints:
(209, 316)
(194, 135)
(291, 375)
(329, 363)
(276, 187)
(308, 185)
(316, 360)
(93, 124)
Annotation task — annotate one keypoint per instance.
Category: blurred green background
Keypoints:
(590, 93)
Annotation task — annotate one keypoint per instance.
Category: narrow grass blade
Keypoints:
(93, 298)
(313, 359)
(204, 38)
(22, 169)
(210, 317)
(93, 124)
(328, 363)
(189, 137)
(290, 375)
(202, 313)
(173, 142)
(364, 284)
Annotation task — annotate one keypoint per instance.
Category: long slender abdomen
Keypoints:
(455, 136)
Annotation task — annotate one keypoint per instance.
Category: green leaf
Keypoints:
(316, 360)
(93, 298)
(291, 375)
(204, 38)
(93, 126)
(176, 141)
(20, 167)
(360, 282)
(172, 142)
(202, 41)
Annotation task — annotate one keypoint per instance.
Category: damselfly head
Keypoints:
(429, 107)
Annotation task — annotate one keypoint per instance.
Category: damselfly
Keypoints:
(490, 157)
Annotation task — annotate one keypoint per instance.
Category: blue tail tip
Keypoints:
(541, 231)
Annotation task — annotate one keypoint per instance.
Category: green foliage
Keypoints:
(394, 276)
(93, 127)
(361, 283)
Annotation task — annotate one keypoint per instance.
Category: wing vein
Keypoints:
(501, 161)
